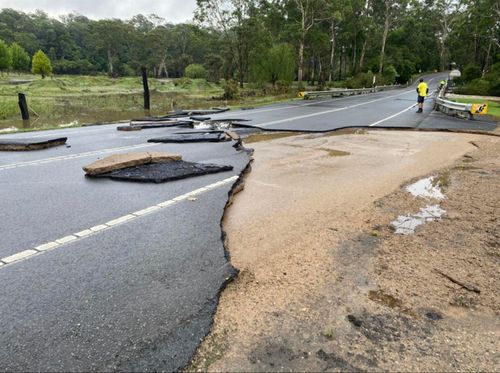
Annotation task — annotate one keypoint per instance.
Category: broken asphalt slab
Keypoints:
(30, 144)
(137, 126)
(209, 136)
(163, 172)
(118, 161)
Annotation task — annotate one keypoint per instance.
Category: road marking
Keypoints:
(40, 249)
(61, 133)
(73, 156)
(19, 256)
(392, 116)
(257, 111)
(329, 111)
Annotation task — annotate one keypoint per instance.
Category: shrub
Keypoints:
(195, 71)
(5, 58)
(20, 59)
(40, 64)
(471, 72)
(389, 75)
(231, 90)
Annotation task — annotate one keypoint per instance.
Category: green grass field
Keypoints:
(63, 101)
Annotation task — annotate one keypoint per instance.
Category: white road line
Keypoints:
(329, 111)
(257, 111)
(25, 254)
(73, 156)
(392, 116)
(19, 256)
(77, 130)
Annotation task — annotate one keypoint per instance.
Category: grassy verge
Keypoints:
(64, 101)
(493, 107)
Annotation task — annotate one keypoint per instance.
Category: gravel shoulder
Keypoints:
(326, 284)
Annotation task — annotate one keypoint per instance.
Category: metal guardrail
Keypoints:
(451, 107)
(339, 92)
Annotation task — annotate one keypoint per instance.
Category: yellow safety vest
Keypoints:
(422, 89)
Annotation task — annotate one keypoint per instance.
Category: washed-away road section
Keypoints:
(125, 275)
(105, 275)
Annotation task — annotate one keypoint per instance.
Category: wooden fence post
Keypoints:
(23, 106)
(146, 88)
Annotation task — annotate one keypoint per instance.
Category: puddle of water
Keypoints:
(406, 224)
(425, 188)
(258, 137)
(211, 125)
(8, 129)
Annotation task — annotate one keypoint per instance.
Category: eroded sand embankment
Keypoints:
(322, 284)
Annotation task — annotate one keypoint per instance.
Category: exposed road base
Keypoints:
(324, 283)
(163, 172)
(30, 144)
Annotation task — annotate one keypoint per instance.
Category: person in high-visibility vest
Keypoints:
(422, 91)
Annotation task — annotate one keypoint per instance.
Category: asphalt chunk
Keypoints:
(163, 172)
(217, 136)
(30, 144)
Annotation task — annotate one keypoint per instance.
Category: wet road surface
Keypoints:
(106, 275)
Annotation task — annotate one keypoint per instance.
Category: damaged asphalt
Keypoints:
(138, 296)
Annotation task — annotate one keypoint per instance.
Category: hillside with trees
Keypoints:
(268, 41)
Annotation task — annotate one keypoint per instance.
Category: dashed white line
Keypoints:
(25, 254)
(392, 116)
(63, 133)
(19, 256)
(329, 111)
(74, 156)
(257, 111)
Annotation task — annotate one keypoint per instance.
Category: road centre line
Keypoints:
(57, 243)
(329, 111)
(73, 156)
(392, 116)
(257, 111)
(59, 133)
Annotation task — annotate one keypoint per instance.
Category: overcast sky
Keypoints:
(174, 11)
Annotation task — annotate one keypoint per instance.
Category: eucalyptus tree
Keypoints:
(232, 18)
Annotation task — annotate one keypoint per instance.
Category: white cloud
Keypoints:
(174, 11)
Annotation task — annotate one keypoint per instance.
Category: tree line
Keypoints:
(319, 41)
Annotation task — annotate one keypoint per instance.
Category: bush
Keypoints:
(361, 80)
(480, 87)
(5, 58)
(82, 67)
(489, 85)
(195, 71)
(389, 75)
(282, 86)
(231, 90)
(20, 59)
(40, 64)
(471, 72)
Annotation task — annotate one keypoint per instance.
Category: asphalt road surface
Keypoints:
(105, 275)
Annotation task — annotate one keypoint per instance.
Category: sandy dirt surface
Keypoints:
(326, 284)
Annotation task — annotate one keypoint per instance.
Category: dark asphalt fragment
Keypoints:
(155, 124)
(216, 136)
(163, 172)
(31, 144)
